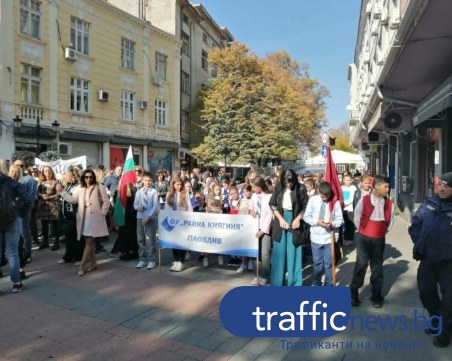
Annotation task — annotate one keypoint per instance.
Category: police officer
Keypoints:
(431, 232)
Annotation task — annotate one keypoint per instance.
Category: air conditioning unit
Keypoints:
(64, 148)
(102, 96)
(70, 54)
(157, 80)
(143, 104)
(376, 138)
(181, 154)
(395, 19)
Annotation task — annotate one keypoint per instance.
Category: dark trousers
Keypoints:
(74, 248)
(371, 250)
(429, 275)
(349, 231)
(45, 230)
(179, 255)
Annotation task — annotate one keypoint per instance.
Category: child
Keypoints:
(264, 215)
(178, 200)
(147, 205)
(322, 223)
(214, 205)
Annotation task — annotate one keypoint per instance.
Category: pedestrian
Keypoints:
(431, 232)
(373, 217)
(288, 203)
(348, 193)
(322, 222)
(177, 200)
(147, 206)
(10, 226)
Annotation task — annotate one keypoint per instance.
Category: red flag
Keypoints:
(332, 178)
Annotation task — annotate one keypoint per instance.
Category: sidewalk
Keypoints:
(121, 313)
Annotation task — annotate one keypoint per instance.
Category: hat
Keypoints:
(446, 179)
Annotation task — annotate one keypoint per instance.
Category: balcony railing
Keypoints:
(31, 113)
(354, 117)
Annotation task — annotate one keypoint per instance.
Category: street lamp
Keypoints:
(55, 126)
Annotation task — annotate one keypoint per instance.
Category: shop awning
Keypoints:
(163, 144)
(84, 137)
(115, 139)
(439, 100)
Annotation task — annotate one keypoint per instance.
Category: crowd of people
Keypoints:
(296, 217)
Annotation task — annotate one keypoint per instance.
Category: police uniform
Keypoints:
(431, 232)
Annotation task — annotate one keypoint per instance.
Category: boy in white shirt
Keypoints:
(323, 222)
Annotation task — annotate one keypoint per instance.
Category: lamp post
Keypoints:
(55, 126)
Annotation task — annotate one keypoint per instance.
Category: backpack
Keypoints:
(7, 207)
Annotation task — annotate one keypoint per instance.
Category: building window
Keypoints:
(161, 113)
(30, 88)
(128, 105)
(30, 18)
(214, 71)
(185, 121)
(80, 35)
(204, 63)
(185, 44)
(185, 18)
(204, 38)
(79, 95)
(185, 83)
(160, 65)
(127, 54)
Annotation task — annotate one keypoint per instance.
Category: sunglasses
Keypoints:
(138, 170)
(21, 165)
(88, 177)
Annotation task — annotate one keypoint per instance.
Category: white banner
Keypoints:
(59, 166)
(230, 234)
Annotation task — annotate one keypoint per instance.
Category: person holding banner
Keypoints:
(288, 203)
(177, 200)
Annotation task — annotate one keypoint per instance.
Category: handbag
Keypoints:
(301, 236)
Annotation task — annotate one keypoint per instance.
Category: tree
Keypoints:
(258, 108)
(342, 135)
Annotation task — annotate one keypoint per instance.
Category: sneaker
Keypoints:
(378, 304)
(250, 265)
(255, 282)
(77, 263)
(116, 254)
(61, 261)
(151, 265)
(205, 261)
(18, 287)
(355, 302)
(263, 281)
(179, 267)
(187, 256)
(141, 264)
(173, 267)
(442, 340)
(55, 247)
(220, 260)
(242, 268)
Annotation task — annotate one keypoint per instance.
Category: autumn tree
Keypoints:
(258, 108)
(342, 136)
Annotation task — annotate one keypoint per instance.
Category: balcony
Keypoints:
(31, 112)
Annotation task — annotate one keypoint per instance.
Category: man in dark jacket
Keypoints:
(10, 233)
(431, 232)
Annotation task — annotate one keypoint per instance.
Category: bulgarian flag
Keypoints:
(128, 177)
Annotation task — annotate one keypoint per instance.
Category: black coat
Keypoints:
(299, 201)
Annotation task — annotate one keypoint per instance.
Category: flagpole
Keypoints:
(333, 258)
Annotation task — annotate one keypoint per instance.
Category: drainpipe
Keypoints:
(396, 166)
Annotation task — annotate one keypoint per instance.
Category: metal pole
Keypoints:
(38, 135)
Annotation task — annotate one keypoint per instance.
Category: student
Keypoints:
(214, 205)
(373, 217)
(147, 205)
(177, 200)
(264, 216)
(322, 223)
(348, 193)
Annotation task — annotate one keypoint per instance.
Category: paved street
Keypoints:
(121, 313)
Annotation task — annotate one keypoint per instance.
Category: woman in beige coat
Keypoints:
(93, 206)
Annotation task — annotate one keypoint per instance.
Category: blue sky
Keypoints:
(321, 33)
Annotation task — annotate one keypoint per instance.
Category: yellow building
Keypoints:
(108, 78)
